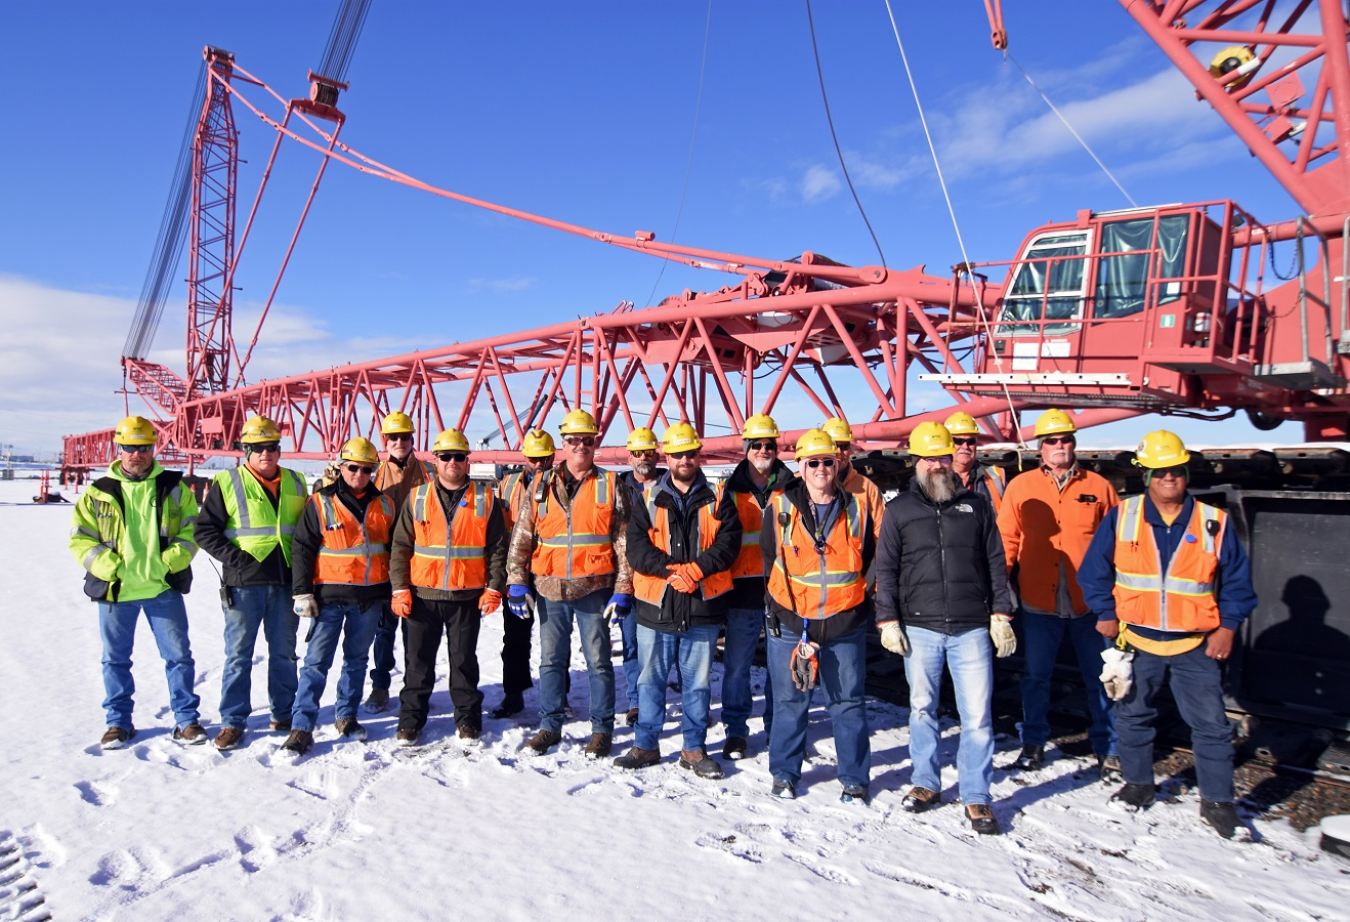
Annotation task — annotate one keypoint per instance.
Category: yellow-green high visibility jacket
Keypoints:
(253, 524)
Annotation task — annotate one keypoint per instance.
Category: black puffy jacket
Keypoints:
(940, 567)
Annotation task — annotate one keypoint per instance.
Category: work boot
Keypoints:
(920, 799)
(783, 789)
(543, 741)
(407, 737)
(1220, 814)
(377, 701)
(280, 726)
(298, 743)
(636, 758)
(469, 732)
(735, 748)
(1031, 759)
(853, 794)
(189, 734)
(1136, 796)
(116, 737)
(700, 763)
(229, 738)
(511, 705)
(982, 819)
(599, 746)
(631, 717)
(1109, 766)
(349, 729)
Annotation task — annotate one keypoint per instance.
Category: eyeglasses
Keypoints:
(137, 449)
(763, 446)
(1058, 440)
(398, 437)
(1176, 471)
(820, 462)
(358, 469)
(446, 457)
(584, 441)
(645, 453)
(681, 455)
(939, 459)
(967, 443)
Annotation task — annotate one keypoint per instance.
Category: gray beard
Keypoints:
(762, 465)
(645, 469)
(937, 484)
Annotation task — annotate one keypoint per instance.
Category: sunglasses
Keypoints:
(260, 447)
(939, 459)
(645, 453)
(681, 455)
(399, 437)
(447, 456)
(843, 446)
(137, 449)
(1176, 471)
(763, 446)
(585, 441)
(820, 462)
(968, 443)
(1058, 440)
(358, 469)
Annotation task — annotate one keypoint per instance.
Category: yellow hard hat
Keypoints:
(814, 443)
(450, 440)
(538, 444)
(759, 426)
(359, 450)
(838, 430)
(961, 423)
(642, 439)
(135, 430)
(680, 437)
(1055, 422)
(260, 429)
(579, 422)
(397, 423)
(1161, 449)
(930, 440)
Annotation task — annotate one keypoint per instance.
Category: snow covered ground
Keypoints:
(362, 830)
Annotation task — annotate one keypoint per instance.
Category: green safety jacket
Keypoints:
(134, 537)
(253, 523)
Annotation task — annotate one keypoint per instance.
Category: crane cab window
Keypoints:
(1050, 278)
(1122, 280)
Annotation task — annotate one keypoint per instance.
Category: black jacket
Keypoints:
(748, 591)
(835, 626)
(634, 488)
(308, 540)
(940, 567)
(241, 569)
(680, 610)
(405, 532)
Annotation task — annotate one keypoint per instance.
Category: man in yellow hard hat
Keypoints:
(988, 482)
(567, 555)
(681, 544)
(1047, 519)
(131, 531)
(867, 492)
(1167, 578)
(341, 580)
(513, 492)
(643, 474)
(248, 522)
(448, 571)
(750, 489)
(942, 601)
(817, 543)
(398, 475)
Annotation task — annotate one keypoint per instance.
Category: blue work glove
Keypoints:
(619, 607)
(520, 603)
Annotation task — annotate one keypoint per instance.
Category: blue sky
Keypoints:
(583, 112)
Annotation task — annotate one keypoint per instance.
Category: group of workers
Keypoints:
(1148, 590)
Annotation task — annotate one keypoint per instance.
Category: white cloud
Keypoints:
(819, 183)
(500, 285)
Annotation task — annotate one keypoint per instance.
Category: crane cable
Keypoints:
(965, 257)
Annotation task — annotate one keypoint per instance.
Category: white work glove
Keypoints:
(1001, 632)
(306, 607)
(1118, 673)
(893, 638)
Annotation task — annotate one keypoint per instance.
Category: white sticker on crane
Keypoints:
(1056, 349)
(1024, 357)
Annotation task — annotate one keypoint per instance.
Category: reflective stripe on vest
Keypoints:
(652, 589)
(353, 553)
(1182, 599)
(253, 524)
(749, 561)
(511, 488)
(573, 541)
(450, 555)
(828, 581)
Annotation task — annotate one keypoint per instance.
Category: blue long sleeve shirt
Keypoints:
(1097, 575)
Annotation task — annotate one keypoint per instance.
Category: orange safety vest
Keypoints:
(572, 542)
(353, 553)
(1182, 599)
(652, 588)
(816, 585)
(450, 556)
(512, 492)
(996, 478)
(749, 561)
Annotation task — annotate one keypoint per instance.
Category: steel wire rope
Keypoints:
(956, 226)
(689, 164)
(820, 75)
(342, 38)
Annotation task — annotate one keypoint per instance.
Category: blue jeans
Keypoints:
(555, 651)
(1198, 689)
(1042, 635)
(843, 668)
(628, 629)
(355, 626)
(382, 651)
(970, 657)
(743, 629)
(168, 624)
(657, 652)
(269, 608)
